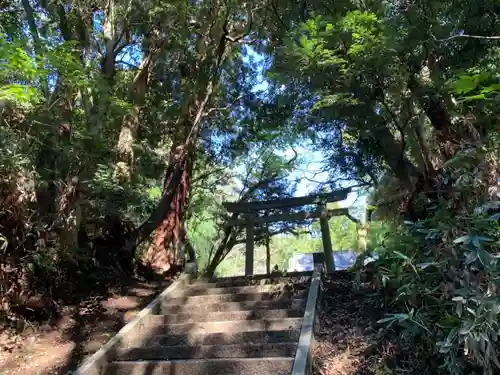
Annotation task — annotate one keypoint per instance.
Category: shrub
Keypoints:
(442, 276)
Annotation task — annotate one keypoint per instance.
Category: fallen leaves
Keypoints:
(347, 332)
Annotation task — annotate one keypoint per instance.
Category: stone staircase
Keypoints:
(235, 325)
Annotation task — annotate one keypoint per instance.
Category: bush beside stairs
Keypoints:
(239, 325)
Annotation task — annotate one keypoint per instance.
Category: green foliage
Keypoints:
(444, 272)
(65, 60)
(202, 235)
(378, 232)
(283, 247)
(17, 66)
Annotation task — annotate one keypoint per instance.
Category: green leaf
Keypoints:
(463, 239)
(466, 328)
(465, 84)
(485, 258)
(474, 97)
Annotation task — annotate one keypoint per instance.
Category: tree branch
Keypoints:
(224, 108)
(30, 15)
(206, 174)
(394, 118)
(352, 218)
(128, 64)
(494, 37)
(248, 28)
(283, 24)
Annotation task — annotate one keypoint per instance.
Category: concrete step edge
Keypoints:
(231, 297)
(167, 308)
(222, 316)
(232, 351)
(229, 322)
(148, 331)
(287, 275)
(240, 366)
(263, 282)
(215, 360)
(224, 338)
(202, 290)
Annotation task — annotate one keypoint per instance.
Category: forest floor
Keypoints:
(80, 330)
(349, 341)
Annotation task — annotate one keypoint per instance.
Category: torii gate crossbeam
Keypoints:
(250, 211)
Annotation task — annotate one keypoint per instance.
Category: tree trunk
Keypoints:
(69, 215)
(168, 217)
(418, 130)
(394, 155)
(130, 123)
(51, 165)
(222, 250)
(435, 109)
(268, 255)
(125, 150)
(167, 250)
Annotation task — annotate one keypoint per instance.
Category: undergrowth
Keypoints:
(441, 276)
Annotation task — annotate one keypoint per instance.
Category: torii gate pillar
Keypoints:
(326, 239)
(249, 255)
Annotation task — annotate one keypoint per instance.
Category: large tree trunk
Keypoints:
(58, 199)
(394, 155)
(166, 252)
(52, 166)
(130, 123)
(418, 131)
(69, 215)
(168, 218)
(125, 150)
(435, 109)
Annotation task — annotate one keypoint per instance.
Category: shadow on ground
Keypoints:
(349, 341)
(346, 333)
(58, 347)
(99, 317)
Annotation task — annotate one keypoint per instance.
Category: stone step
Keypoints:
(230, 297)
(202, 290)
(243, 366)
(226, 338)
(154, 353)
(223, 316)
(294, 277)
(158, 328)
(284, 303)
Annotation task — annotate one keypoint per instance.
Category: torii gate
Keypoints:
(250, 210)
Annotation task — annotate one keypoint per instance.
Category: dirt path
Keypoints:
(82, 329)
(348, 340)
